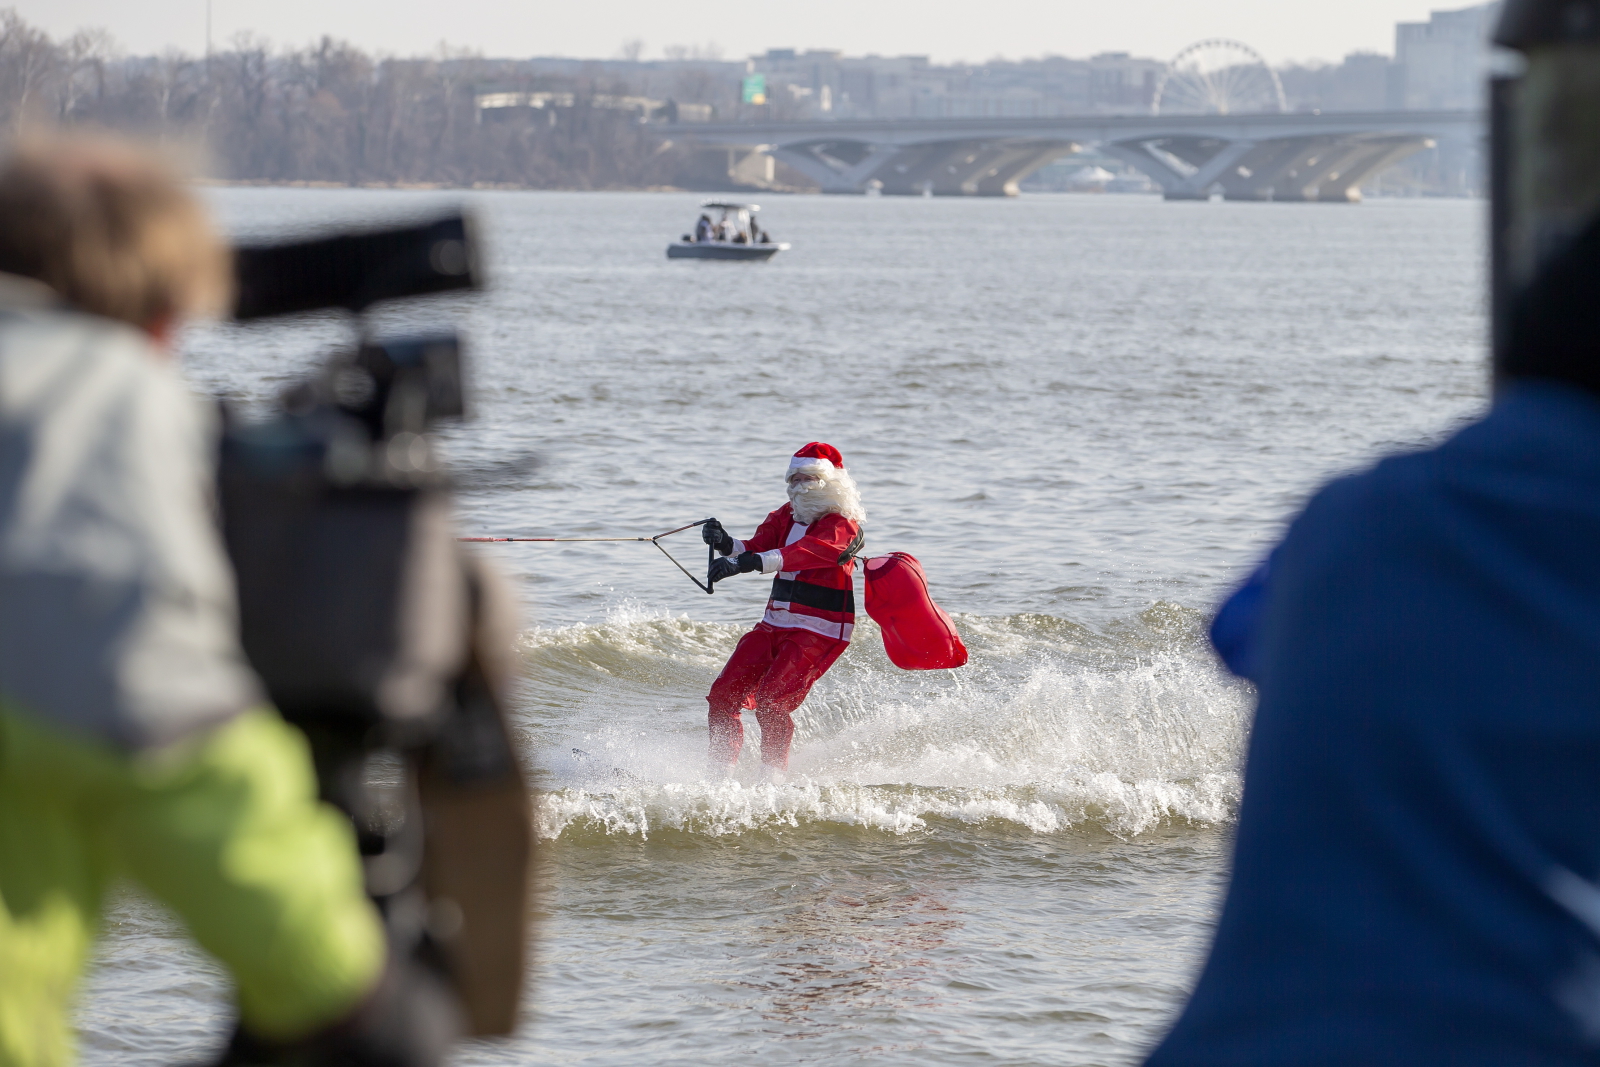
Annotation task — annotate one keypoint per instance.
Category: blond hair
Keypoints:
(112, 229)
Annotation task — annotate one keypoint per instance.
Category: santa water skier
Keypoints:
(810, 545)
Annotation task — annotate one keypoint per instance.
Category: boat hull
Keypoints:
(719, 250)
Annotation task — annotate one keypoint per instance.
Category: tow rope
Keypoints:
(711, 552)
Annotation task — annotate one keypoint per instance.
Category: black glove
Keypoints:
(714, 535)
(743, 563)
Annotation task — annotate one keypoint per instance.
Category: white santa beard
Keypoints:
(836, 492)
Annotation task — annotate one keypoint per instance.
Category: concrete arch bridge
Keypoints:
(1269, 156)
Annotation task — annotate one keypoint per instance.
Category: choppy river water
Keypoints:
(1085, 415)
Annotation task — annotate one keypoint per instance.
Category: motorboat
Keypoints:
(734, 234)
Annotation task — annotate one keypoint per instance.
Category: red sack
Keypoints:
(917, 634)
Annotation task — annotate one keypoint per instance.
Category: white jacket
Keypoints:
(117, 605)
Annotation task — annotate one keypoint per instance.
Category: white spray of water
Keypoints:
(1036, 733)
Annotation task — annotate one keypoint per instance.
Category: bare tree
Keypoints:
(28, 56)
(331, 112)
(174, 74)
(83, 59)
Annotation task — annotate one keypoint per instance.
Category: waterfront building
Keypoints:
(822, 84)
(1441, 64)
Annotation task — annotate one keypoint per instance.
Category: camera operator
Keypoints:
(135, 742)
(1416, 872)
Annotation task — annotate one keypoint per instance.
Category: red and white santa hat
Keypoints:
(816, 458)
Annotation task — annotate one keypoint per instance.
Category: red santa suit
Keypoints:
(807, 624)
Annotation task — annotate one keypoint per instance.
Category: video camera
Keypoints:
(372, 629)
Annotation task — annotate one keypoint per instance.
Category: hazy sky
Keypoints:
(946, 29)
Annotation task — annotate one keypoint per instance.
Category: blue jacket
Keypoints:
(1416, 876)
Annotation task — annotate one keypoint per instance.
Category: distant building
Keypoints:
(1438, 64)
(823, 83)
(805, 81)
(890, 87)
(1360, 83)
(500, 105)
(1122, 83)
(826, 84)
(681, 90)
(1442, 63)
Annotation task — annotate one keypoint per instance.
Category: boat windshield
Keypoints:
(728, 224)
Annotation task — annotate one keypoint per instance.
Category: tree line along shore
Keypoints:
(330, 113)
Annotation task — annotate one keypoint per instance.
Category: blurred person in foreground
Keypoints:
(134, 740)
(1416, 875)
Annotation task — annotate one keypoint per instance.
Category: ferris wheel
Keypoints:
(1218, 77)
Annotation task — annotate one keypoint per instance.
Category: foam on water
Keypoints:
(1051, 726)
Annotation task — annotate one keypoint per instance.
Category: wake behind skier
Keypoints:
(810, 544)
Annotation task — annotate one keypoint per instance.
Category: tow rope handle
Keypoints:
(711, 554)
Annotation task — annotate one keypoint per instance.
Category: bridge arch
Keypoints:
(1263, 156)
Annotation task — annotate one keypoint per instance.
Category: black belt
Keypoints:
(794, 591)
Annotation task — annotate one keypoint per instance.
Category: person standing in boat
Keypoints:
(810, 544)
(702, 230)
